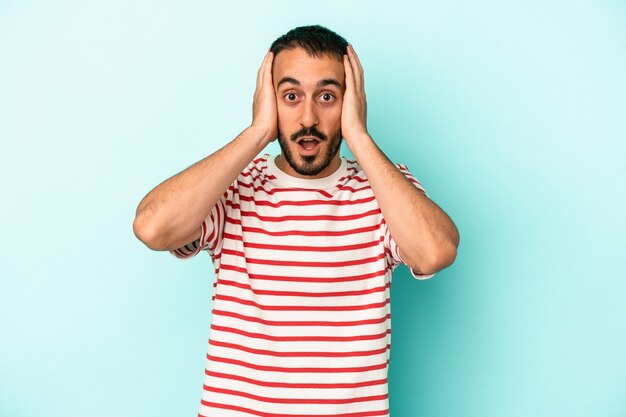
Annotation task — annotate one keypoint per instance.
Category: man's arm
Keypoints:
(426, 237)
(158, 221)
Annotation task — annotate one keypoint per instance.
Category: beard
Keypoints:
(309, 166)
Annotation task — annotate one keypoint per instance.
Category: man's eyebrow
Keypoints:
(321, 83)
(329, 81)
(288, 80)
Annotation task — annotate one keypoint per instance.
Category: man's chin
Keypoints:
(308, 168)
(309, 159)
(308, 165)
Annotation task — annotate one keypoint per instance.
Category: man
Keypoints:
(304, 243)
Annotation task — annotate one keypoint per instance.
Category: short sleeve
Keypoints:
(212, 232)
(390, 243)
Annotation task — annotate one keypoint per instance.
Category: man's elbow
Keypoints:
(445, 258)
(445, 254)
(441, 259)
(146, 234)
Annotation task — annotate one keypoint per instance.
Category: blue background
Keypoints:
(511, 114)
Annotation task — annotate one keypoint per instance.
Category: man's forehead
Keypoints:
(295, 66)
(325, 82)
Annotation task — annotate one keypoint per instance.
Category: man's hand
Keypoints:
(354, 110)
(264, 112)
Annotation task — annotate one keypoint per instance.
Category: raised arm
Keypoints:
(426, 236)
(158, 221)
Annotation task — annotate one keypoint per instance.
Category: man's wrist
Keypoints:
(258, 134)
(359, 138)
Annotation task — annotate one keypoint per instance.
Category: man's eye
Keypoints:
(327, 97)
(290, 96)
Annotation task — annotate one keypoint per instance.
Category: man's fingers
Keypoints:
(357, 69)
(259, 74)
(349, 74)
(267, 70)
(356, 57)
(361, 71)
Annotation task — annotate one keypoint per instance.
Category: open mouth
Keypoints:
(308, 145)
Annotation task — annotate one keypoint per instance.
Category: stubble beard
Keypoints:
(309, 167)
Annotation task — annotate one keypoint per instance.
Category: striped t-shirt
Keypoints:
(301, 322)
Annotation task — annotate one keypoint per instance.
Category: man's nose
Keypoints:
(309, 114)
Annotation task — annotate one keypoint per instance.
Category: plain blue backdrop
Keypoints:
(512, 114)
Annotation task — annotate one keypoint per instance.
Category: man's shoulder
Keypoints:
(355, 169)
(354, 165)
(257, 168)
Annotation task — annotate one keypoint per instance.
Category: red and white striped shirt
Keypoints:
(301, 322)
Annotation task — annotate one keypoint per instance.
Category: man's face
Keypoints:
(309, 95)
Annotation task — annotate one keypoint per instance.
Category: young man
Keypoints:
(304, 244)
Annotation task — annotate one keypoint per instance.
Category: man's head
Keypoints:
(309, 81)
